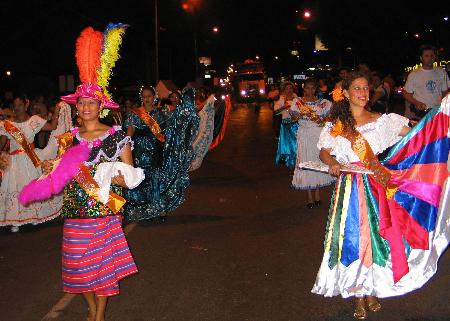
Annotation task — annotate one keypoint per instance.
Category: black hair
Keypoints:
(147, 87)
(341, 109)
(425, 47)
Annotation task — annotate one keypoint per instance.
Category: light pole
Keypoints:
(156, 44)
(191, 6)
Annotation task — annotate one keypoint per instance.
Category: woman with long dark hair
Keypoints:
(385, 233)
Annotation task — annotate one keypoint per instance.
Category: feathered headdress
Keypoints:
(96, 54)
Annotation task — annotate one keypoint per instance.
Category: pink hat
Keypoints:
(93, 91)
(96, 54)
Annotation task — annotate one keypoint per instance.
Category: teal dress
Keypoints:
(165, 164)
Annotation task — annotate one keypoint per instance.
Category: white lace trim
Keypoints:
(102, 138)
(381, 134)
(115, 157)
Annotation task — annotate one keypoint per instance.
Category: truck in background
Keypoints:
(249, 81)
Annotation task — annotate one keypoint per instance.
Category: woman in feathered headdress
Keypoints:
(95, 252)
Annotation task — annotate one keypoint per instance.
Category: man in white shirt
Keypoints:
(426, 86)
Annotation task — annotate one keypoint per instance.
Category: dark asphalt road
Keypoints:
(243, 247)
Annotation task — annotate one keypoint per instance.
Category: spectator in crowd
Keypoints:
(426, 85)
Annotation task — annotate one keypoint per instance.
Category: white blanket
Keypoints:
(106, 171)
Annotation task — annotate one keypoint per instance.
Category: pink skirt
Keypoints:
(95, 256)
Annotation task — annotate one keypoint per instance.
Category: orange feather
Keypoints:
(87, 53)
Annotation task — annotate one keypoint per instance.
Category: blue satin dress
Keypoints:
(287, 144)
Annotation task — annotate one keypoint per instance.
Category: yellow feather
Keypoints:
(112, 40)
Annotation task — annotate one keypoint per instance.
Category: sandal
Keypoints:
(373, 304)
(360, 309)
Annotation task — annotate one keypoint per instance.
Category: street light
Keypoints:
(215, 29)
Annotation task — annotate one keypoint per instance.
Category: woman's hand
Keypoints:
(119, 180)
(335, 169)
(47, 166)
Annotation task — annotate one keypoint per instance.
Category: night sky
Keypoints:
(38, 37)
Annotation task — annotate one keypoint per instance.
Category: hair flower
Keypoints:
(337, 94)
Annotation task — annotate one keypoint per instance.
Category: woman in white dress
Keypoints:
(311, 122)
(385, 233)
(21, 170)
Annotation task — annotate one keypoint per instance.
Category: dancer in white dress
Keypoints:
(385, 232)
(310, 125)
(21, 169)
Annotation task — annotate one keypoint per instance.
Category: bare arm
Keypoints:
(333, 164)
(130, 131)
(51, 125)
(279, 103)
(409, 97)
(404, 131)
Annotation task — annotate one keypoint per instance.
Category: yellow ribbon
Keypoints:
(20, 138)
(150, 122)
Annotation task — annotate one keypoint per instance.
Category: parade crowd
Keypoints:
(99, 165)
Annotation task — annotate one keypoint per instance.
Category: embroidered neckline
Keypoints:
(75, 131)
(102, 155)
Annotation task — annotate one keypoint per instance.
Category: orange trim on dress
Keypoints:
(368, 158)
(150, 122)
(21, 140)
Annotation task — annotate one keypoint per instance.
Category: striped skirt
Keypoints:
(358, 260)
(95, 256)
